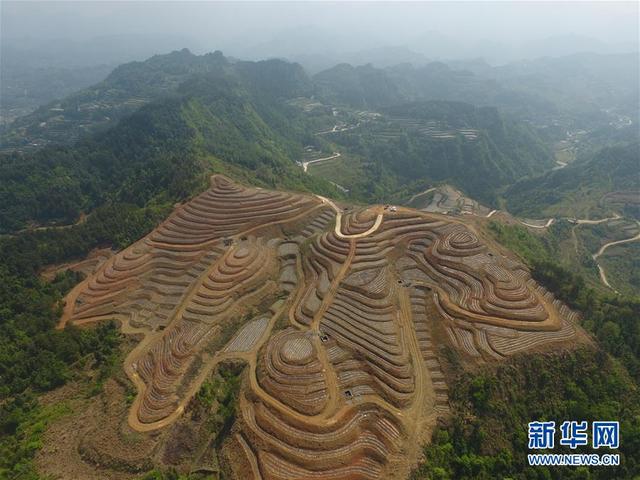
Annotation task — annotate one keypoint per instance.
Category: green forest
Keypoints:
(164, 152)
(579, 189)
(487, 438)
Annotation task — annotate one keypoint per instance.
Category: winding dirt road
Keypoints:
(603, 276)
(339, 128)
(595, 222)
(580, 221)
(338, 226)
(428, 190)
(546, 225)
(305, 165)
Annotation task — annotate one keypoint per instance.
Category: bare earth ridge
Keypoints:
(334, 313)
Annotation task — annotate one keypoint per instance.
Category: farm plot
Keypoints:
(334, 312)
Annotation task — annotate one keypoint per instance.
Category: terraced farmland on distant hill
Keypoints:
(338, 313)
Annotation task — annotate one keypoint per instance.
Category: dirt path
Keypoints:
(421, 193)
(546, 225)
(249, 356)
(131, 360)
(595, 222)
(253, 461)
(574, 237)
(580, 221)
(559, 165)
(330, 375)
(423, 389)
(338, 128)
(603, 276)
(338, 226)
(305, 165)
(335, 409)
(82, 219)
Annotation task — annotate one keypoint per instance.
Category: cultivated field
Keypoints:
(339, 316)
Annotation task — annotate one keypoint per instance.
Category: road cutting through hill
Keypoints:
(338, 226)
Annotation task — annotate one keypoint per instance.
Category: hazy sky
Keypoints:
(280, 28)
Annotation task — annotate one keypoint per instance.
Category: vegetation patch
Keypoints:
(487, 436)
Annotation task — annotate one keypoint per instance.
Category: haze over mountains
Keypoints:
(438, 31)
(80, 52)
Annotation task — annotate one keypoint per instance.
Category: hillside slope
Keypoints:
(605, 181)
(135, 84)
(210, 122)
(413, 145)
(152, 129)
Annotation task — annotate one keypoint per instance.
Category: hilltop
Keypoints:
(327, 321)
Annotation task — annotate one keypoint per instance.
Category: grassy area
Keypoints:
(519, 240)
(622, 266)
(560, 244)
(577, 190)
(580, 203)
(23, 423)
(345, 170)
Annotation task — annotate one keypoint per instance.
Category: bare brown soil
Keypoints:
(342, 317)
(85, 266)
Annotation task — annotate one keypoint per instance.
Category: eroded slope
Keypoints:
(334, 312)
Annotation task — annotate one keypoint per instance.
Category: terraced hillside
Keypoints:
(338, 314)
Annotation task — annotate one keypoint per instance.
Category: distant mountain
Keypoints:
(62, 52)
(135, 84)
(581, 91)
(497, 52)
(571, 44)
(380, 57)
(581, 84)
(162, 124)
(201, 115)
(24, 88)
(36, 71)
(364, 86)
(374, 87)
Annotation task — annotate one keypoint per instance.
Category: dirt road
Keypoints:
(603, 276)
(305, 165)
(338, 227)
